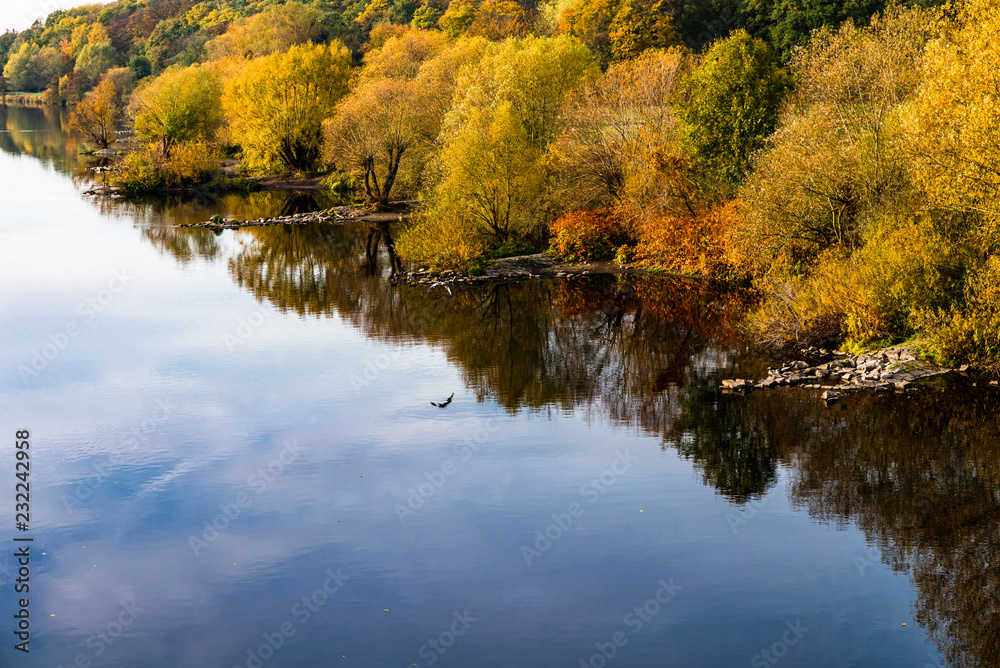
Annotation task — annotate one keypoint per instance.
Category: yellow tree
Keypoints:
(534, 74)
(954, 121)
(372, 130)
(590, 21)
(836, 157)
(458, 17)
(438, 77)
(505, 112)
(493, 178)
(274, 30)
(402, 56)
(499, 19)
(183, 104)
(276, 105)
(96, 116)
(613, 126)
(639, 25)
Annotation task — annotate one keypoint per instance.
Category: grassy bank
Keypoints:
(25, 98)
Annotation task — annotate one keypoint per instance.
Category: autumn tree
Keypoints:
(590, 22)
(499, 19)
(403, 55)
(373, 129)
(276, 105)
(613, 126)
(493, 177)
(954, 123)
(458, 17)
(274, 30)
(534, 74)
(732, 102)
(183, 104)
(621, 29)
(96, 116)
(836, 156)
(95, 57)
(642, 24)
(439, 76)
(505, 113)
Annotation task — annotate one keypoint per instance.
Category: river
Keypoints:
(234, 461)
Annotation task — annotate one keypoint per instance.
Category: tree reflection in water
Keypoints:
(919, 474)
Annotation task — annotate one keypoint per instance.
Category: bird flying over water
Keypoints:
(443, 285)
(444, 404)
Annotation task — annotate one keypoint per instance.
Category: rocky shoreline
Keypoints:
(396, 212)
(522, 267)
(895, 369)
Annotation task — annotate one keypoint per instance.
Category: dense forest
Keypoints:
(838, 157)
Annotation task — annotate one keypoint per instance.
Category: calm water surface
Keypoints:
(235, 462)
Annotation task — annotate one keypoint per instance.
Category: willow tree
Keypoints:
(493, 177)
(504, 115)
(181, 105)
(613, 125)
(373, 129)
(276, 105)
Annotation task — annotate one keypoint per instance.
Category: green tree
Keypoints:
(181, 105)
(458, 17)
(31, 68)
(94, 60)
(276, 105)
(793, 21)
(732, 102)
(426, 17)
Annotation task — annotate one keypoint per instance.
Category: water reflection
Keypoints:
(42, 132)
(918, 474)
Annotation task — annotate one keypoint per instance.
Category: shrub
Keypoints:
(875, 295)
(433, 240)
(187, 166)
(581, 236)
(971, 332)
(687, 244)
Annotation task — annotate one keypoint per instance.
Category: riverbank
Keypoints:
(27, 99)
(392, 213)
(521, 267)
(898, 368)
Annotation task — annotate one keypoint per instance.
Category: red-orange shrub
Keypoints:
(580, 236)
(687, 244)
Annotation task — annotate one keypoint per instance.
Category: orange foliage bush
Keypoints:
(687, 244)
(580, 236)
